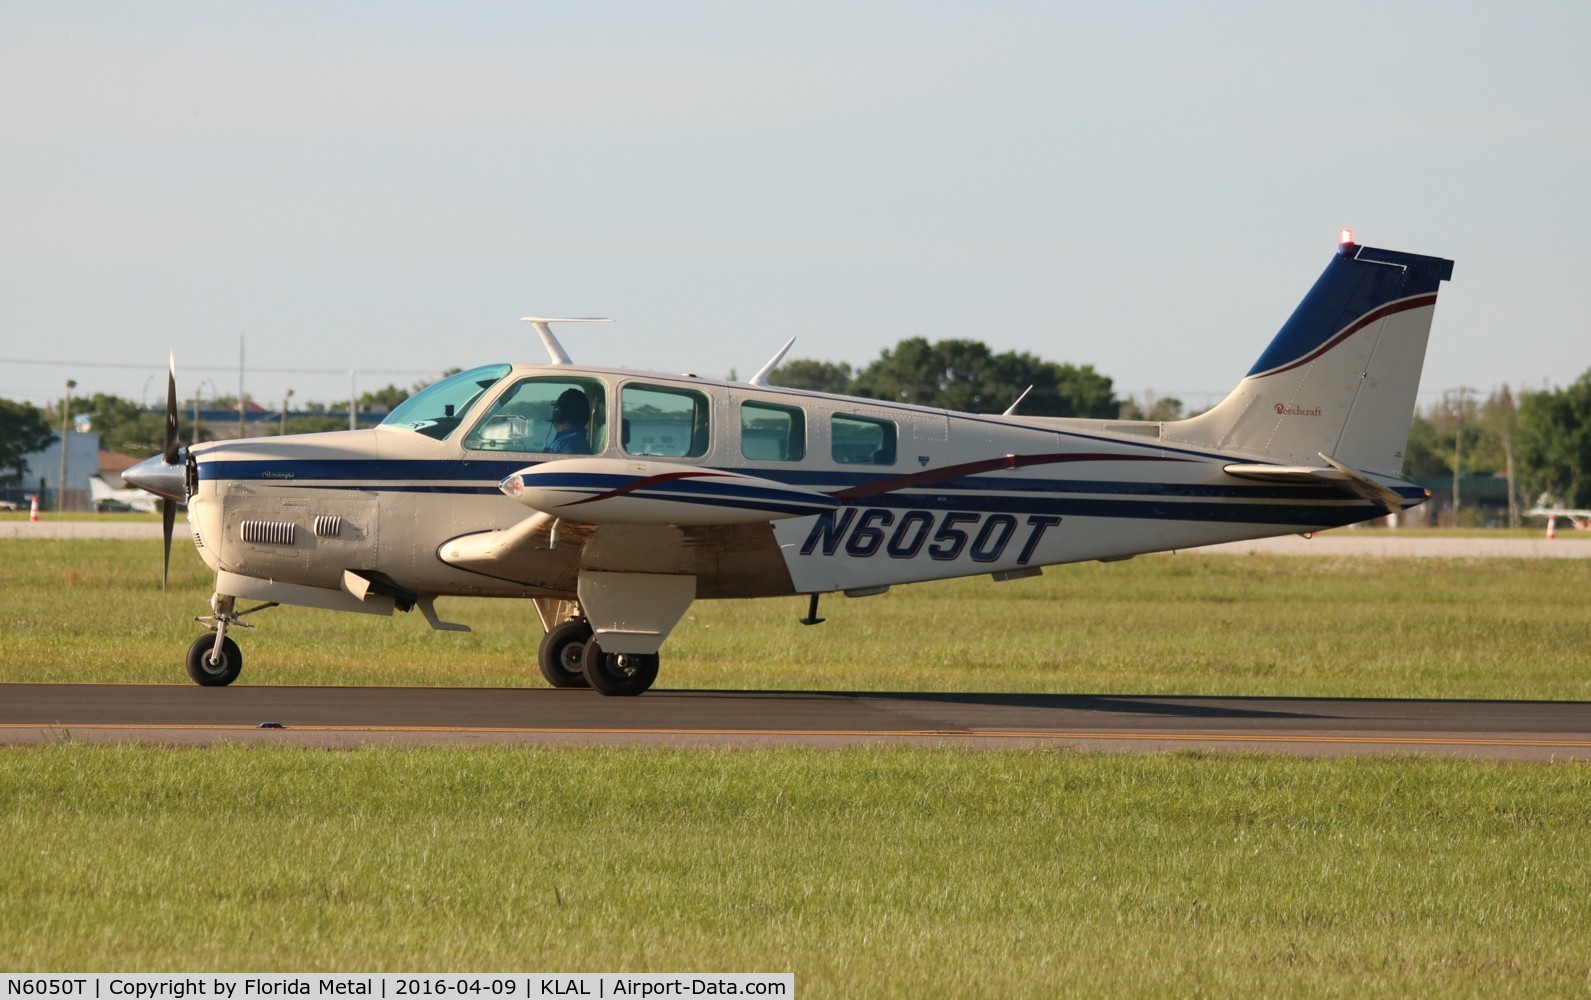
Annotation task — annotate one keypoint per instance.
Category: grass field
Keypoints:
(1177, 624)
(864, 872)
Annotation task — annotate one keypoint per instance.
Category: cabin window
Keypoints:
(772, 433)
(862, 440)
(551, 415)
(436, 410)
(665, 422)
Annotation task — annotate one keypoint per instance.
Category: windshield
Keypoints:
(435, 410)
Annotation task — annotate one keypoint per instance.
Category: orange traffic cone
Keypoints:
(1552, 526)
(33, 511)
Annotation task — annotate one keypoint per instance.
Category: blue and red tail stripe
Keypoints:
(1360, 286)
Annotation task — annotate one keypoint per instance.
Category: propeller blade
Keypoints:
(168, 518)
(171, 423)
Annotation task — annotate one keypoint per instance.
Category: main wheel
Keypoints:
(561, 651)
(623, 674)
(217, 673)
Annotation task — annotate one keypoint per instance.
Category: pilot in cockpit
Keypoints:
(570, 415)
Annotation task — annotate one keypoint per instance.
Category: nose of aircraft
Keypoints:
(156, 476)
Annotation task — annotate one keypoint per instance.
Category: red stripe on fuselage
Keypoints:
(931, 476)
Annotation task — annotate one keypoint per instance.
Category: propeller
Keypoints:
(165, 475)
(168, 506)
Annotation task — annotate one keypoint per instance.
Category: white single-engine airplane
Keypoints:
(613, 499)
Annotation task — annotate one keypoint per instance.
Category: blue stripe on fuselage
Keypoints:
(1172, 501)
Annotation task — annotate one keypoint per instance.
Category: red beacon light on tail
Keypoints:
(1346, 239)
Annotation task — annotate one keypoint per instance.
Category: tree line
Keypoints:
(1540, 440)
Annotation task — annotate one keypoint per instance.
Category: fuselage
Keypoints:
(908, 493)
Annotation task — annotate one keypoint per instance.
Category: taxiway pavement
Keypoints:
(355, 716)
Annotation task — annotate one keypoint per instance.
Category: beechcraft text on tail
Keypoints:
(612, 499)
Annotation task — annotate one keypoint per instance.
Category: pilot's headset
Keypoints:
(571, 407)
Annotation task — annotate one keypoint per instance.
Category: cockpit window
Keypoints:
(550, 414)
(437, 409)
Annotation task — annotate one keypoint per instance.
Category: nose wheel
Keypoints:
(214, 664)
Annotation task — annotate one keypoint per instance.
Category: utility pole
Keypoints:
(1458, 446)
(284, 409)
(243, 430)
(66, 429)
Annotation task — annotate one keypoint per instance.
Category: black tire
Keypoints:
(561, 654)
(218, 674)
(619, 674)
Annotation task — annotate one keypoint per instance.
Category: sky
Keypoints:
(1146, 188)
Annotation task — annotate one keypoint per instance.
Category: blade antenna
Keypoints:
(543, 325)
(763, 373)
(1009, 410)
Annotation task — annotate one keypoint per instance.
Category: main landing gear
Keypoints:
(570, 657)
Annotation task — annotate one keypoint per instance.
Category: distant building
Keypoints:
(44, 468)
(1483, 501)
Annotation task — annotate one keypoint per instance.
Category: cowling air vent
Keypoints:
(269, 532)
(328, 525)
(198, 542)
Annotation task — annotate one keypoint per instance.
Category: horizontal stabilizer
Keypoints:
(1333, 474)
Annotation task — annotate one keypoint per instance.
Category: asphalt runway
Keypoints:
(350, 717)
(357, 716)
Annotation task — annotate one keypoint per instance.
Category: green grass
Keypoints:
(92, 610)
(864, 872)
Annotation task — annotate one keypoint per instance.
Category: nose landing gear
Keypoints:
(214, 660)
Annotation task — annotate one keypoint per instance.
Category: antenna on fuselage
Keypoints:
(1009, 410)
(543, 325)
(761, 378)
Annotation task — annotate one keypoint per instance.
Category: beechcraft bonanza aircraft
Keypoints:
(613, 499)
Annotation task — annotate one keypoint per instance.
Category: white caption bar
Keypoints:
(389, 986)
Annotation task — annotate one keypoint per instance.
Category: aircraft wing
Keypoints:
(1557, 512)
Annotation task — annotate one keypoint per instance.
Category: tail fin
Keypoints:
(1340, 377)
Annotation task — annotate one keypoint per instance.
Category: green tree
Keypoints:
(24, 429)
(122, 424)
(1427, 455)
(1149, 406)
(1553, 442)
(386, 398)
(965, 375)
(310, 425)
(817, 376)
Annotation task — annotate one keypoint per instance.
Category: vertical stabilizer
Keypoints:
(1340, 377)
